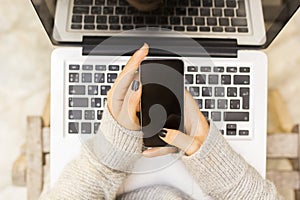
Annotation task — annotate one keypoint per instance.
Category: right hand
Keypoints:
(196, 127)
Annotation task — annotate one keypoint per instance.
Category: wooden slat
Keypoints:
(46, 140)
(282, 145)
(285, 179)
(46, 113)
(34, 156)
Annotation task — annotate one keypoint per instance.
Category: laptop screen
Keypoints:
(276, 14)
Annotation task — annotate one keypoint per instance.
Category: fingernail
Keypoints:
(162, 133)
(145, 45)
(135, 85)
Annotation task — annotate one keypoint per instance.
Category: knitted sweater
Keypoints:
(216, 167)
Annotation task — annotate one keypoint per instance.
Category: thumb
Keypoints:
(188, 144)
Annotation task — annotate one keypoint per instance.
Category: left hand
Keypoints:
(123, 99)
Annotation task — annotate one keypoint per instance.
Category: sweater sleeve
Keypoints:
(99, 172)
(224, 174)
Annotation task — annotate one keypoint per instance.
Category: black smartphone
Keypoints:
(162, 101)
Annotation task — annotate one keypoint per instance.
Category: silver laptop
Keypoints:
(219, 43)
(236, 19)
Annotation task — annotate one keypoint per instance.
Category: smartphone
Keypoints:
(162, 100)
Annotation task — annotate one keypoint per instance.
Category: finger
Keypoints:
(159, 151)
(183, 141)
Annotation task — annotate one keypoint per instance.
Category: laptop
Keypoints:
(224, 71)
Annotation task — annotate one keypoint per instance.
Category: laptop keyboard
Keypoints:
(189, 16)
(221, 92)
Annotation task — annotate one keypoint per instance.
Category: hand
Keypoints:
(123, 98)
(196, 128)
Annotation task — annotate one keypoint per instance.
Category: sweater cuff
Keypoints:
(216, 166)
(115, 146)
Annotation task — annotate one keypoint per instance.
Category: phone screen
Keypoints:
(162, 101)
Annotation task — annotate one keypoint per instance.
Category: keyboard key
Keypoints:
(204, 12)
(89, 19)
(230, 29)
(238, 22)
(162, 20)
(93, 90)
(132, 11)
(207, 3)
(216, 116)
(74, 77)
(224, 22)
(73, 127)
(222, 131)
(73, 67)
(127, 27)
(195, 91)
(192, 68)
(187, 21)
(211, 21)
(204, 29)
(75, 114)
(104, 101)
(120, 10)
(76, 18)
(113, 19)
(102, 27)
(206, 114)
(205, 69)
(96, 126)
(99, 2)
(96, 102)
(174, 20)
(101, 19)
(150, 20)
(86, 128)
(207, 91)
(199, 21)
(192, 12)
(231, 129)
(213, 79)
(78, 102)
(183, 3)
(104, 89)
(126, 19)
(236, 116)
(138, 20)
(229, 13)
(231, 69)
(231, 92)
(113, 67)
(244, 132)
(231, 3)
(100, 67)
(243, 30)
(219, 92)
(86, 77)
(217, 12)
(99, 114)
(180, 11)
(83, 2)
(226, 79)
(111, 77)
(189, 78)
(217, 29)
(178, 28)
(231, 132)
(191, 29)
(89, 27)
(201, 79)
(222, 103)
(108, 10)
(244, 69)
(209, 103)
(199, 103)
(99, 78)
(89, 114)
(219, 3)
(111, 2)
(218, 69)
(241, 12)
(235, 104)
(96, 10)
(114, 27)
(81, 10)
(245, 94)
(76, 26)
(87, 67)
(195, 3)
(241, 79)
(76, 89)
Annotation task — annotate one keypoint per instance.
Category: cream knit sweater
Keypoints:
(217, 168)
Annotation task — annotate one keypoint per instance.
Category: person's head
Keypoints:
(146, 5)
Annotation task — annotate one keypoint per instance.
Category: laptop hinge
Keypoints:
(160, 46)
